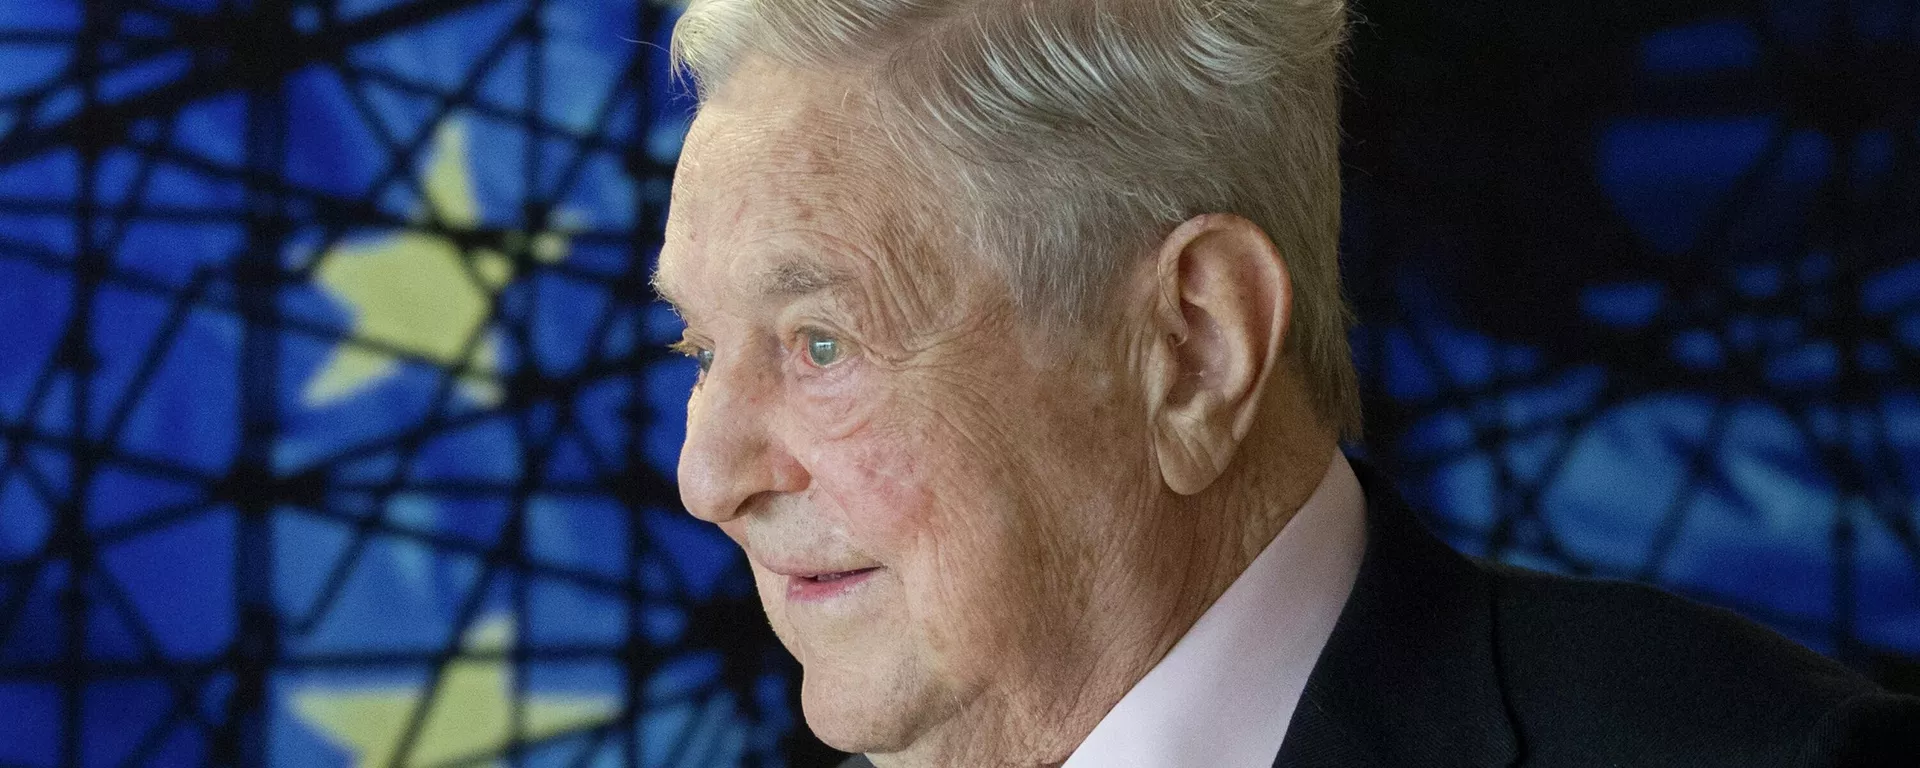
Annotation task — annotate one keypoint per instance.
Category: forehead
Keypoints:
(783, 179)
(767, 122)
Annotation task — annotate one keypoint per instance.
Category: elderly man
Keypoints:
(1023, 370)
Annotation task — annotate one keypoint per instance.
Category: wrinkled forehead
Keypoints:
(775, 121)
(743, 167)
(778, 165)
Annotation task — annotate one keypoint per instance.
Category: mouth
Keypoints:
(824, 586)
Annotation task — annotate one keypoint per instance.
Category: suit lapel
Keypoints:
(1408, 677)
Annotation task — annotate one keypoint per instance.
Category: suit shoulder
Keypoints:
(1657, 675)
(1875, 728)
(1622, 618)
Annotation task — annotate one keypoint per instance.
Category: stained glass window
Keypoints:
(335, 427)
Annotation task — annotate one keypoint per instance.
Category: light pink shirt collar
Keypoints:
(1223, 696)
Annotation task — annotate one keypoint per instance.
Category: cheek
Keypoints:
(875, 478)
(865, 457)
(923, 474)
(919, 504)
(940, 520)
(833, 406)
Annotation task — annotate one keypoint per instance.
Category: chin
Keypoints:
(858, 710)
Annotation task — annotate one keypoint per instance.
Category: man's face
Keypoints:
(923, 495)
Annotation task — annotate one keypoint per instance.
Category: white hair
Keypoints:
(1081, 132)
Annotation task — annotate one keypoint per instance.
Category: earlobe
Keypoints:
(1216, 347)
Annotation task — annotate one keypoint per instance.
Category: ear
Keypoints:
(1225, 301)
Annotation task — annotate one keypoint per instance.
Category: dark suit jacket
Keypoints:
(1442, 660)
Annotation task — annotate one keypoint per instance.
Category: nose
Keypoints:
(732, 454)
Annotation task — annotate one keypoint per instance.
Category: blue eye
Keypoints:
(701, 355)
(823, 350)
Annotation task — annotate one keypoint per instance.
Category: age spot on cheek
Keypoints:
(881, 486)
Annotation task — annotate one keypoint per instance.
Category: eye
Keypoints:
(823, 350)
(701, 355)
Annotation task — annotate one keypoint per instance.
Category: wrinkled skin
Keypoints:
(1031, 562)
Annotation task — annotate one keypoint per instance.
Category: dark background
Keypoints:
(335, 427)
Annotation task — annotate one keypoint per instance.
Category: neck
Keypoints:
(1142, 597)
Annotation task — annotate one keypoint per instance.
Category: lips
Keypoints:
(810, 587)
(829, 578)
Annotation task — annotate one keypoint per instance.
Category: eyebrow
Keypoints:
(659, 287)
(800, 277)
(786, 280)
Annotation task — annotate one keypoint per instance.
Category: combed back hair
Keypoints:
(1074, 135)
